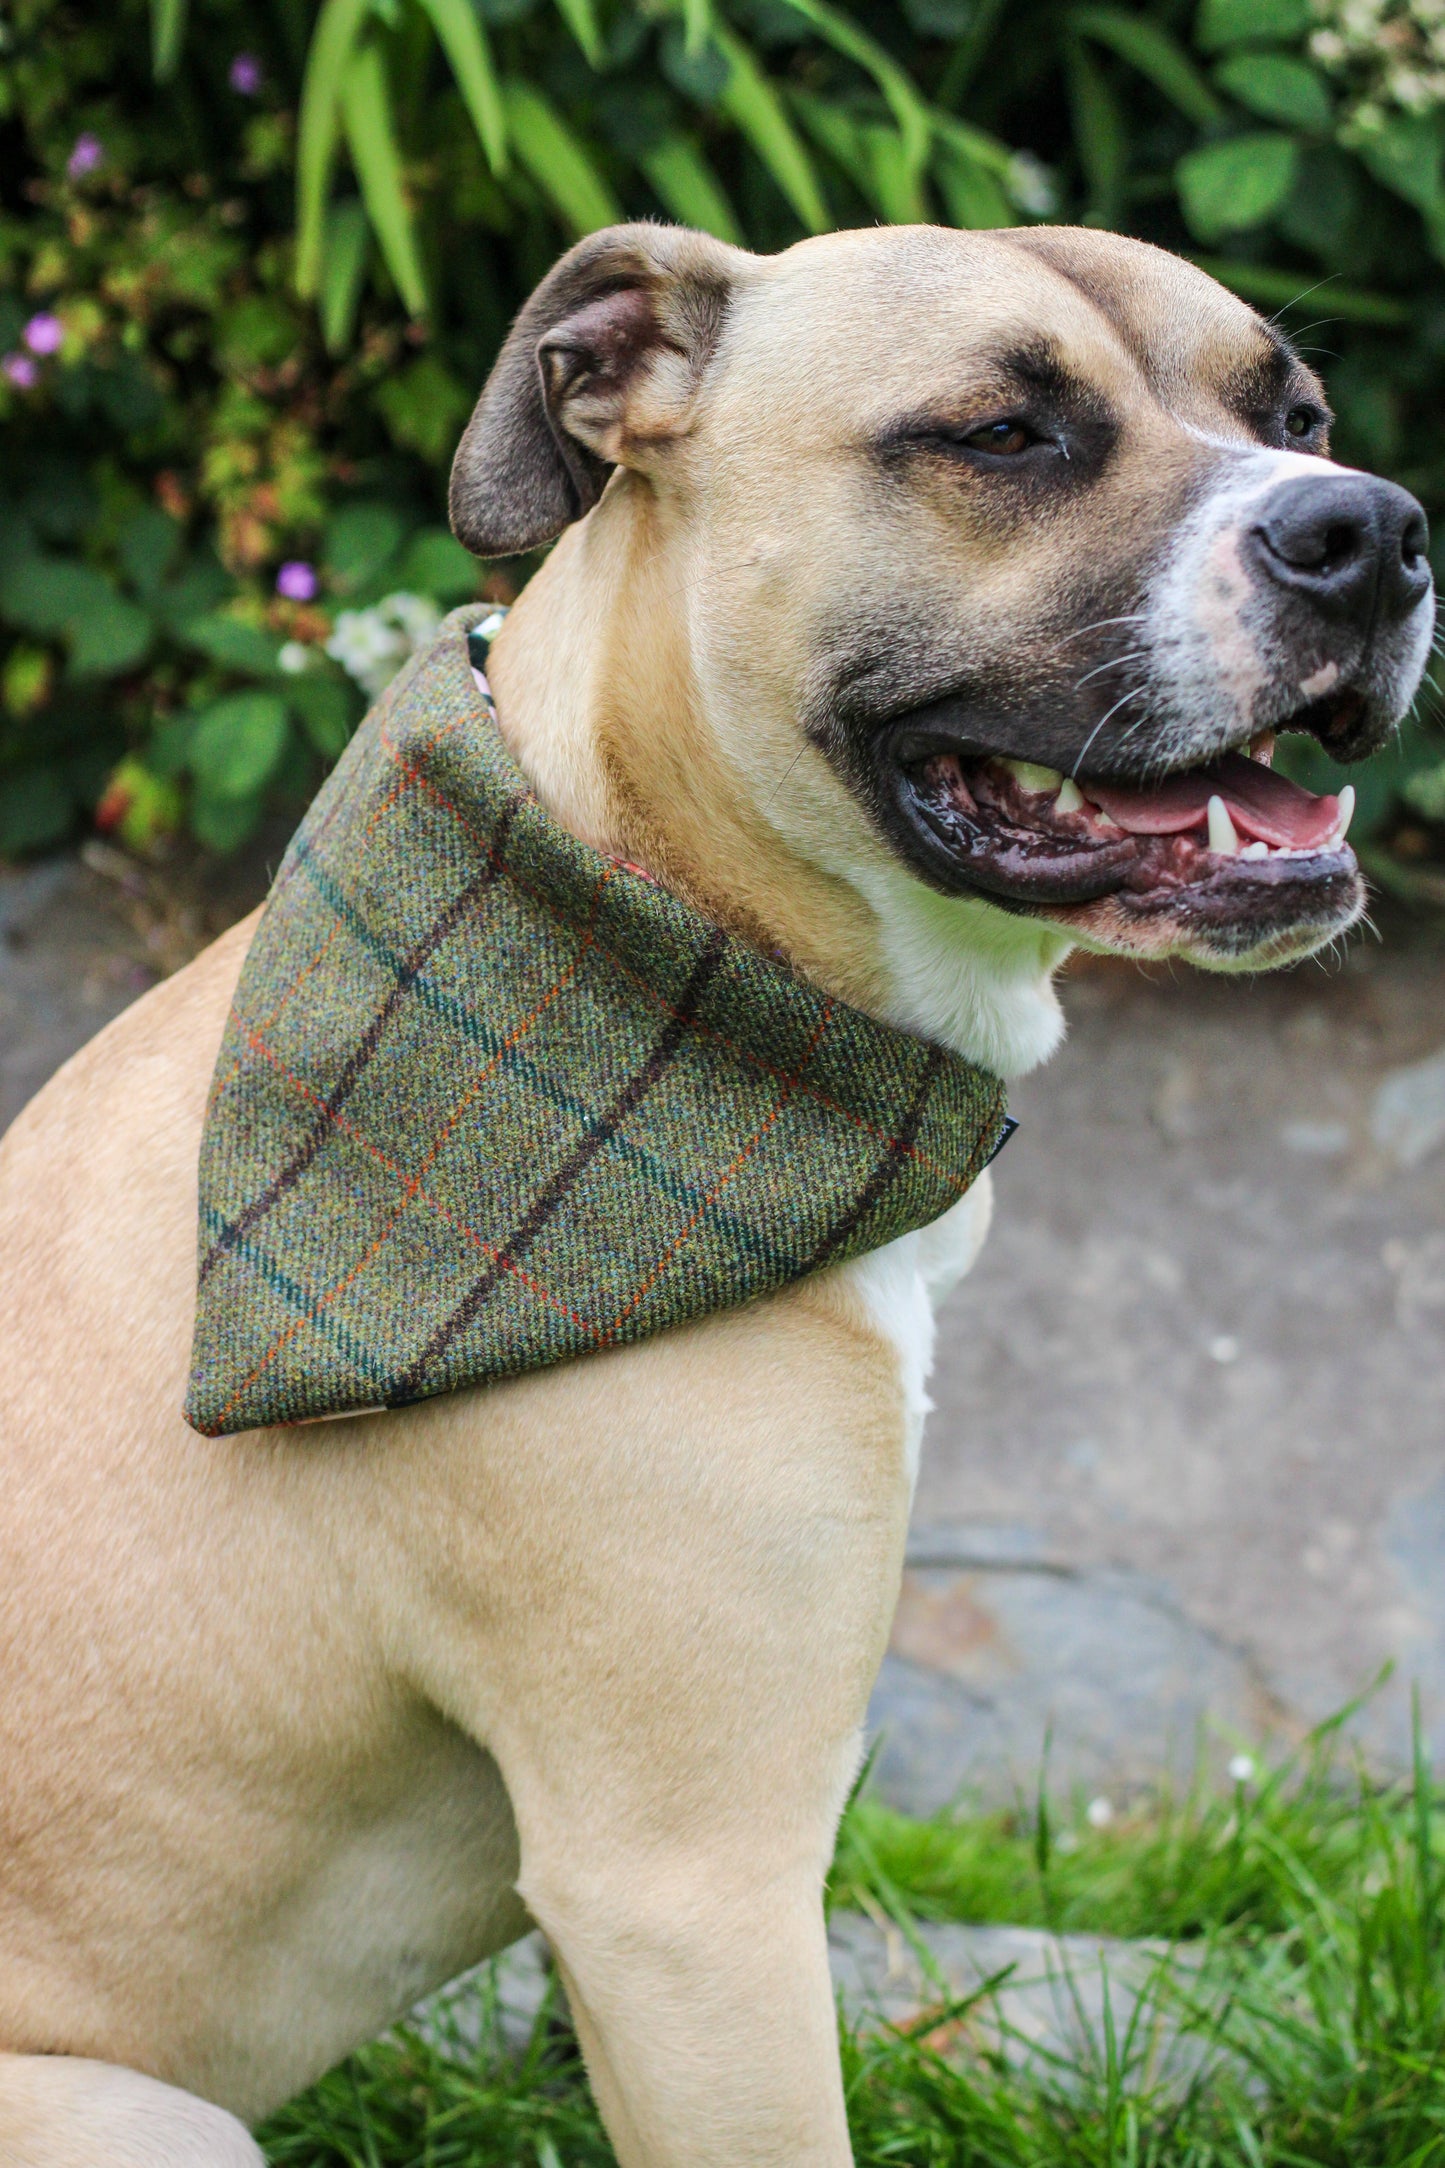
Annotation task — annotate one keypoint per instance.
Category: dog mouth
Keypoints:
(1229, 845)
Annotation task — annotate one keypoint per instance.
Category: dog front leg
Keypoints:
(702, 1998)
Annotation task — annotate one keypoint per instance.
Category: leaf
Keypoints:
(110, 639)
(581, 19)
(1405, 156)
(424, 407)
(35, 809)
(232, 644)
(168, 30)
(894, 185)
(338, 27)
(1273, 289)
(1278, 87)
(753, 105)
(434, 563)
(324, 708)
(1150, 49)
(464, 41)
(972, 192)
(371, 139)
(1250, 22)
(49, 595)
(147, 546)
(1228, 187)
(223, 824)
(557, 161)
(835, 131)
(345, 270)
(238, 743)
(361, 541)
(844, 35)
(685, 183)
(1098, 133)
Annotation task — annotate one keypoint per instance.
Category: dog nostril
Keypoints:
(1414, 541)
(1339, 544)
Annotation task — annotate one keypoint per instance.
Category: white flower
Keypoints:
(1387, 54)
(371, 645)
(1031, 186)
(294, 658)
(1242, 1768)
(1099, 1813)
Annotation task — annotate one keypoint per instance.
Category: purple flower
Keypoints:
(85, 156)
(246, 76)
(44, 333)
(297, 581)
(21, 371)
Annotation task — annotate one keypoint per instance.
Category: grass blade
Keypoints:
(1155, 54)
(1098, 133)
(754, 106)
(333, 42)
(908, 109)
(168, 30)
(371, 139)
(580, 16)
(971, 191)
(684, 181)
(896, 187)
(346, 238)
(1275, 289)
(558, 163)
(464, 41)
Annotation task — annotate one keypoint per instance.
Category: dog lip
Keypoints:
(965, 837)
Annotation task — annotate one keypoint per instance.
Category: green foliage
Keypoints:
(271, 257)
(1310, 1996)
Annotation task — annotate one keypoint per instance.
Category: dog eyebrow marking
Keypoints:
(1034, 371)
(1272, 378)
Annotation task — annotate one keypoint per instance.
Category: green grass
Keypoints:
(1312, 1902)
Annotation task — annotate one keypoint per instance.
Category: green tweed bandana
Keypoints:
(489, 1099)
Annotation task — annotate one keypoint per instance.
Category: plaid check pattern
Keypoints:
(489, 1100)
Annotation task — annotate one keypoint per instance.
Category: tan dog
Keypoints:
(910, 533)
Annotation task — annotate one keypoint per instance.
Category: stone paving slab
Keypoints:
(1188, 1454)
(1028, 1995)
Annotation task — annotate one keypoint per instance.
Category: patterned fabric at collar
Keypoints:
(489, 1100)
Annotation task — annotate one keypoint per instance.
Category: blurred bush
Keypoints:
(255, 263)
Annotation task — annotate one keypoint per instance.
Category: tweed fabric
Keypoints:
(489, 1099)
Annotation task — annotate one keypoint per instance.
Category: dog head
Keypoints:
(1003, 557)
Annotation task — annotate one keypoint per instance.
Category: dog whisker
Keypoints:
(1117, 663)
(1120, 703)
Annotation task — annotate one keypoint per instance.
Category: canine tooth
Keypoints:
(1032, 775)
(1347, 812)
(1255, 850)
(1222, 835)
(1070, 798)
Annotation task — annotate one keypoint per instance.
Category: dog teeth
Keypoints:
(1255, 850)
(1223, 838)
(1347, 812)
(1032, 775)
(1070, 798)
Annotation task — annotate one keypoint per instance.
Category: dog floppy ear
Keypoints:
(602, 362)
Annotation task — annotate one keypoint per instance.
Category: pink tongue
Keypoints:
(1264, 805)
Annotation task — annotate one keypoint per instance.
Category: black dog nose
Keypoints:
(1352, 545)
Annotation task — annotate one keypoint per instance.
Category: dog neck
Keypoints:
(599, 704)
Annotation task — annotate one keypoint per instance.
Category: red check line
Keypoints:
(790, 1087)
(660, 1001)
(412, 1183)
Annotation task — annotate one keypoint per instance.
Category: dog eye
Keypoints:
(1010, 438)
(1302, 421)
